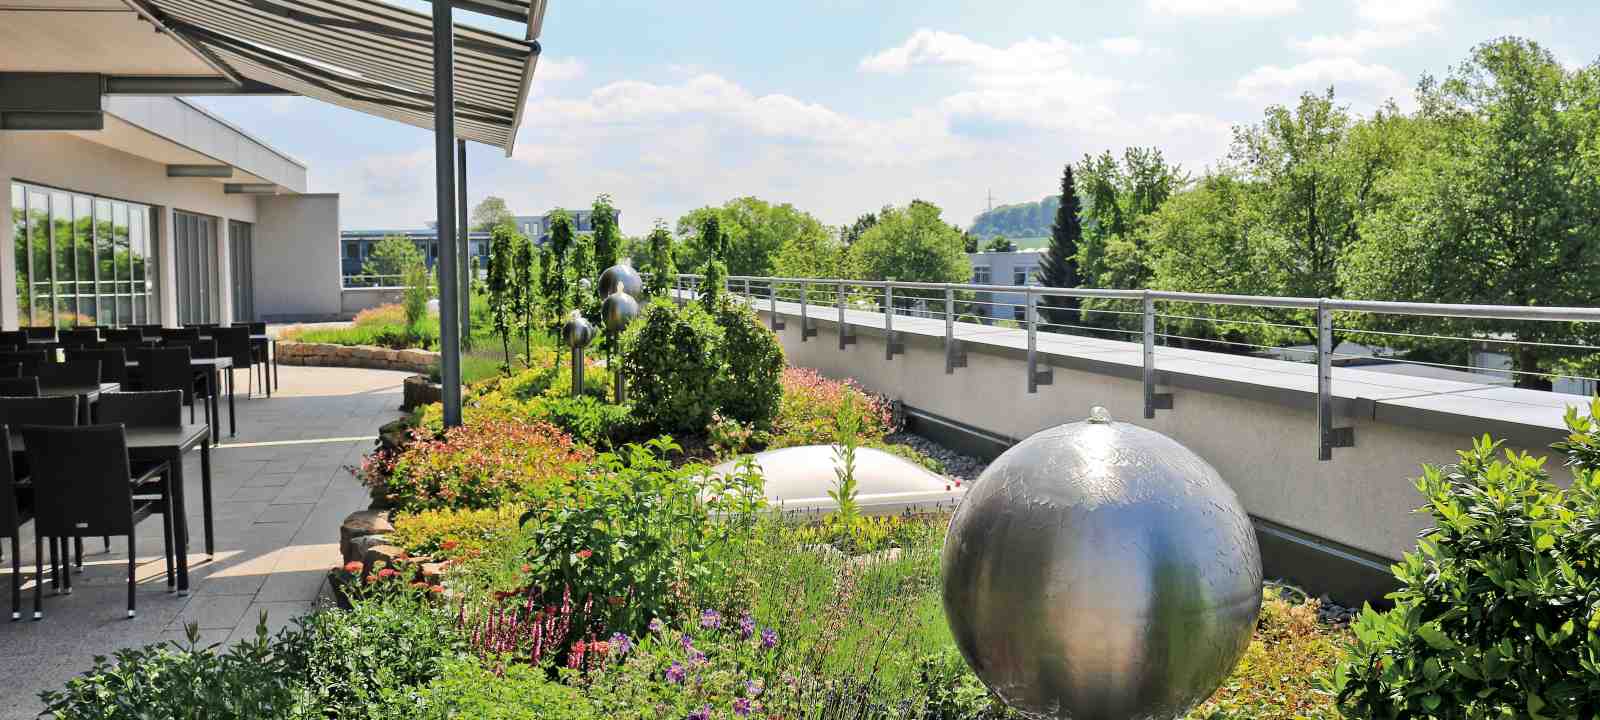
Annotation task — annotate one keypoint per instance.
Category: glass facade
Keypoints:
(81, 259)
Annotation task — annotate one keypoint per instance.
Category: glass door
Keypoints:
(241, 249)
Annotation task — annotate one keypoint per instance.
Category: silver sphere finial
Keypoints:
(576, 332)
(621, 278)
(1099, 415)
(619, 309)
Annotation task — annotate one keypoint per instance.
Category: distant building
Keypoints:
(537, 227)
(356, 246)
(1004, 268)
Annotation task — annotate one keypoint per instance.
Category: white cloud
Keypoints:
(1125, 46)
(1368, 84)
(1222, 8)
(558, 70)
(1401, 12)
(1388, 24)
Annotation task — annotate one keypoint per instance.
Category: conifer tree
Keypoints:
(1059, 267)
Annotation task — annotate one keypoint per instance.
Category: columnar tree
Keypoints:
(662, 270)
(556, 294)
(607, 238)
(525, 292)
(502, 293)
(1059, 266)
(716, 270)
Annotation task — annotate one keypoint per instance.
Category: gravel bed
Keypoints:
(961, 467)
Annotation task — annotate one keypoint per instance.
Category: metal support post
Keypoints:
(1329, 437)
(953, 357)
(806, 330)
(466, 245)
(1153, 400)
(577, 372)
(444, 136)
(890, 343)
(772, 295)
(846, 338)
(1036, 377)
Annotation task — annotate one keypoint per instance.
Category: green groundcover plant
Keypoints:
(1499, 613)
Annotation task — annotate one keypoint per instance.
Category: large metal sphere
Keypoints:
(1101, 570)
(619, 309)
(621, 278)
(576, 332)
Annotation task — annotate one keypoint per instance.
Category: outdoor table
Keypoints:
(211, 369)
(87, 394)
(169, 443)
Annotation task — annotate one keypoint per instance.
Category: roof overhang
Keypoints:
(365, 55)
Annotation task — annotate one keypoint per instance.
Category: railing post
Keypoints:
(1035, 376)
(890, 347)
(1329, 437)
(845, 337)
(806, 330)
(1153, 400)
(772, 295)
(950, 359)
(747, 298)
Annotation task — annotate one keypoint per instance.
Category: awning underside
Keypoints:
(367, 56)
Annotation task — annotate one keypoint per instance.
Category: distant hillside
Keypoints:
(1022, 220)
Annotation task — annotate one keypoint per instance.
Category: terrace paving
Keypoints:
(280, 487)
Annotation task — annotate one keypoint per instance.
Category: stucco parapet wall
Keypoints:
(370, 357)
(1524, 418)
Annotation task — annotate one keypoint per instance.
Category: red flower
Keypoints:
(585, 553)
(352, 567)
(387, 573)
(448, 545)
(526, 568)
(436, 589)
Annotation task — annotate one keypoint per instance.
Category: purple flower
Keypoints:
(753, 688)
(687, 643)
(656, 625)
(710, 619)
(747, 625)
(696, 657)
(704, 713)
(676, 672)
(741, 707)
(769, 638)
(621, 644)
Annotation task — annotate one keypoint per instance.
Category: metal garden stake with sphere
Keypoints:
(1101, 571)
(576, 333)
(621, 286)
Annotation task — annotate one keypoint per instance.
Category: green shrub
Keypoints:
(810, 403)
(449, 534)
(673, 359)
(467, 690)
(388, 640)
(595, 423)
(250, 680)
(483, 465)
(749, 389)
(419, 290)
(1499, 610)
(384, 326)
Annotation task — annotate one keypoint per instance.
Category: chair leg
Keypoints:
(55, 568)
(131, 562)
(107, 540)
(38, 575)
(191, 411)
(167, 523)
(16, 575)
(78, 546)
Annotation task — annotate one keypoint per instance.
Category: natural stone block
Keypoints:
(361, 523)
(389, 555)
(357, 548)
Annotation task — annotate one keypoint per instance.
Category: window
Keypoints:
(980, 275)
(352, 250)
(81, 260)
(1019, 313)
(1022, 275)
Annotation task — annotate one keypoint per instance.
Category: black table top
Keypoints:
(220, 363)
(161, 438)
(77, 390)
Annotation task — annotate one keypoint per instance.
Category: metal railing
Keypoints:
(958, 301)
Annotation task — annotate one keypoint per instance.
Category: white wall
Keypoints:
(297, 257)
(67, 162)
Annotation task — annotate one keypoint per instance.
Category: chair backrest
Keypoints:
(80, 479)
(40, 332)
(10, 370)
(113, 361)
(10, 515)
(155, 408)
(16, 338)
(148, 332)
(39, 410)
(234, 342)
(29, 359)
(19, 386)
(258, 328)
(121, 336)
(189, 333)
(166, 368)
(70, 374)
(79, 337)
(203, 349)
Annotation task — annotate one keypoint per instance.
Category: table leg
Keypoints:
(180, 523)
(275, 379)
(216, 407)
(205, 496)
(233, 418)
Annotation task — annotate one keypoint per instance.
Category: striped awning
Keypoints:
(369, 56)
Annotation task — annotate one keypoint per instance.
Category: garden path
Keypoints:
(280, 489)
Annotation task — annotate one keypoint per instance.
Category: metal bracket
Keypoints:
(807, 332)
(1047, 376)
(846, 338)
(956, 358)
(1330, 437)
(772, 295)
(893, 346)
(1153, 400)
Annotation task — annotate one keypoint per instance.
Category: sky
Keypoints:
(843, 106)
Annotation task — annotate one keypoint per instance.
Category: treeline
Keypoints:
(1021, 220)
(1489, 193)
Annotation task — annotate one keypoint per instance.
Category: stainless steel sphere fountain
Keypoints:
(618, 310)
(1099, 570)
(621, 278)
(576, 332)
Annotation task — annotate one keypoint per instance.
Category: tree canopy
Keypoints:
(910, 243)
(755, 231)
(392, 256)
(491, 212)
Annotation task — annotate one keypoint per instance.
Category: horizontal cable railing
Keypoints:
(1133, 315)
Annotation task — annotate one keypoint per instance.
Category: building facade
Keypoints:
(355, 246)
(169, 215)
(537, 227)
(1004, 268)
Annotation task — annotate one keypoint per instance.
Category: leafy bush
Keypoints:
(419, 290)
(673, 358)
(748, 389)
(542, 394)
(637, 535)
(811, 403)
(1281, 672)
(250, 680)
(484, 465)
(467, 690)
(384, 326)
(388, 640)
(1499, 613)
(448, 534)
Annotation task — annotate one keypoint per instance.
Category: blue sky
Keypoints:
(842, 106)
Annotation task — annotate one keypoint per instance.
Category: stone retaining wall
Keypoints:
(370, 357)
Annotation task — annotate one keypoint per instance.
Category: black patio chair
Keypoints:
(234, 342)
(26, 386)
(10, 370)
(158, 408)
(34, 410)
(14, 338)
(190, 334)
(72, 373)
(147, 332)
(13, 513)
(80, 337)
(83, 485)
(40, 332)
(121, 336)
(168, 368)
(29, 359)
(113, 361)
(261, 351)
